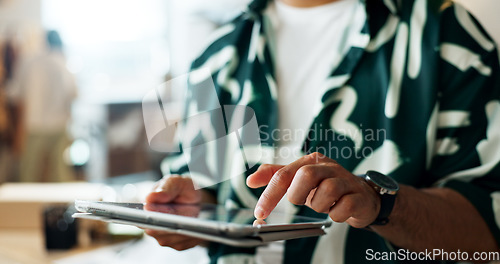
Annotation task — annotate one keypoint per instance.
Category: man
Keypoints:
(408, 89)
(45, 89)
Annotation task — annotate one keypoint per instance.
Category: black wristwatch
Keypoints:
(387, 188)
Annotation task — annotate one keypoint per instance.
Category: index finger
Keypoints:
(263, 175)
(279, 183)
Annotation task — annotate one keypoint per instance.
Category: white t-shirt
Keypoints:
(309, 44)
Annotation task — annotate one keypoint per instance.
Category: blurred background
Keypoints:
(72, 78)
(111, 54)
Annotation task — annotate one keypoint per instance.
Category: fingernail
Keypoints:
(258, 212)
(248, 179)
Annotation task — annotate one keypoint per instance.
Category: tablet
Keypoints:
(251, 241)
(201, 218)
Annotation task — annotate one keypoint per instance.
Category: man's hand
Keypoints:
(320, 183)
(422, 219)
(174, 189)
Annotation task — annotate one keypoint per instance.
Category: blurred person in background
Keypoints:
(9, 139)
(45, 89)
(424, 72)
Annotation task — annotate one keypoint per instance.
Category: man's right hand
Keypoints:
(174, 189)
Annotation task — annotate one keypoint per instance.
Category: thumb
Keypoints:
(173, 189)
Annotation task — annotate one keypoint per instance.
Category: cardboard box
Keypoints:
(22, 204)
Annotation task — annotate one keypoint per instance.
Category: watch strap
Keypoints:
(386, 205)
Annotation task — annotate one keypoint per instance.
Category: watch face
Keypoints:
(382, 180)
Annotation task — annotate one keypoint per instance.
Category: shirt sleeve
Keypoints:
(467, 147)
(203, 130)
(197, 134)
